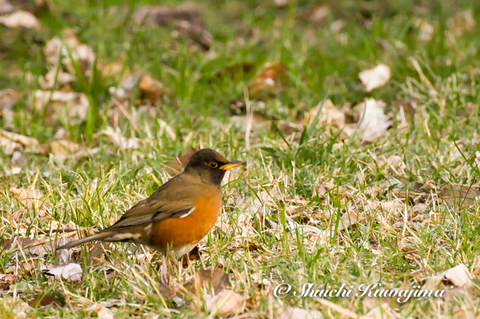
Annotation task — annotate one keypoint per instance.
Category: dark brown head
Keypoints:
(210, 166)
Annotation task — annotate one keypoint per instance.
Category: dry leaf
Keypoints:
(318, 12)
(329, 115)
(210, 279)
(73, 105)
(62, 149)
(44, 301)
(256, 121)
(31, 145)
(102, 312)
(29, 197)
(150, 88)
(20, 19)
(463, 21)
(119, 140)
(8, 98)
(299, 313)
(426, 30)
(351, 218)
(72, 272)
(268, 79)
(227, 303)
(8, 146)
(188, 22)
(376, 77)
(461, 195)
(6, 281)
(459, 276)
(373, 121)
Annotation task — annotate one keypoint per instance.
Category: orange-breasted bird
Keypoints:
(178, 214)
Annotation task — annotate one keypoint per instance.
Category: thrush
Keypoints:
(178, 214)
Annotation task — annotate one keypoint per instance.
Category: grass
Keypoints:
(276, 223)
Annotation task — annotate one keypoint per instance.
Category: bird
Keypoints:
(178, 214)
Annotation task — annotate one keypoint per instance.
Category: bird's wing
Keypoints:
(172, 199)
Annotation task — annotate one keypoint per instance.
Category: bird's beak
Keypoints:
(232, 164)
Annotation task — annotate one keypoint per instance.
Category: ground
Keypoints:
(347, 181)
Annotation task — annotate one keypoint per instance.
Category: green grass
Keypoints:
(437, 148)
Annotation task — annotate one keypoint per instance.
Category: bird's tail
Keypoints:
(97, 236)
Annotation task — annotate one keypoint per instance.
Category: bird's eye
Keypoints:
(213, 164)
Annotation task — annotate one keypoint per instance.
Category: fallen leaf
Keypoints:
(119, 140)
(299, 313)
(102, 312)
(376, 77)
(187, 21)
(31, 144)
(20, 19)
(44, 301)
(351, 218)
(72, 272)
(329, 115)
(150, 88)
(461, 195)
(8, 98)
(8, 146)
(459, 276)
(227, 303)
(73, 105)
(256, 121)
(210, 279)
(62, 149)
(463, 21)
(426, 30)
(268, 79)
(373, 123)
(29, 197)
(6, 281)
(318, 12)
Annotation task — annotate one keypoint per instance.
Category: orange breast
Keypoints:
(179, 232)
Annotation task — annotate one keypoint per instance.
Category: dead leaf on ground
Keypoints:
(59, 55)
(461, 195)
(187, 21)
(20, 19)
(177, 165)
(299, 313)
(376, 77)
(68, 104)
(151, 89)
(350, 219)
(62, 149)
(8, 146)
(44, 301)
(102, 312)
(226, 303)
(426, 30)
(268, 79)
(7, 280)
(373, 123)
(459, 276)
(329, 115)
(318, 13)
(8, 98)
(72, 272)
(255, 122)
(463, 21)
(119, 140)
(29, 197)
(212, 279)
(31, 144)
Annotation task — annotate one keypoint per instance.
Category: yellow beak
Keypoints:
(231, 164)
